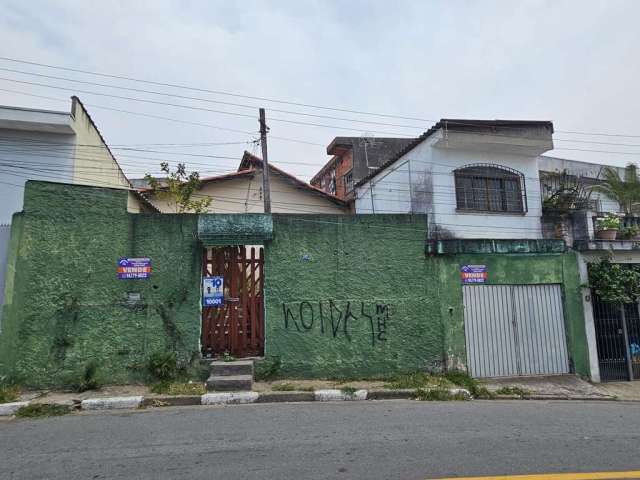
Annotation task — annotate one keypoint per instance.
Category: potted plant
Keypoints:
(607, 227)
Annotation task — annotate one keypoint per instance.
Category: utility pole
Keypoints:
(266, 186)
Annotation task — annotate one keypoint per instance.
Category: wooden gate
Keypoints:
(236, 327)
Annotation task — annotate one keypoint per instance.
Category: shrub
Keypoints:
(512, 391)
(163, 366)
(348, 391)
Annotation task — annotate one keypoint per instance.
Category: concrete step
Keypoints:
(229, 383)
(237, 367)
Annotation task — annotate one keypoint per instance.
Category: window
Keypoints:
(348, 181)
(490, 188)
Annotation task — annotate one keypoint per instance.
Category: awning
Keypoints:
(234, 229)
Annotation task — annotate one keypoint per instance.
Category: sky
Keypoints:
(575, 63)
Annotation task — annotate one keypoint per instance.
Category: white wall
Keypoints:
(422, 181)
(28, 155)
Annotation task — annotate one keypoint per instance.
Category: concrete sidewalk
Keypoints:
(552, 386)
(629, 391)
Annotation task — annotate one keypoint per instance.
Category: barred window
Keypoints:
(490, 188)
(348, 181)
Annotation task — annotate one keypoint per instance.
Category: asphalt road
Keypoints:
(364, 440)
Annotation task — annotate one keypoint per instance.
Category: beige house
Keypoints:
(241, 192)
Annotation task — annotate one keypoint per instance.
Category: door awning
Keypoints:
(234, 229)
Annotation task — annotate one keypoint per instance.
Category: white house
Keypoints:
(474, 179)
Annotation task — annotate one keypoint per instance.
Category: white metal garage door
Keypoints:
(514, 330)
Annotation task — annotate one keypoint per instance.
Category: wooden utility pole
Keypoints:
(266, 186)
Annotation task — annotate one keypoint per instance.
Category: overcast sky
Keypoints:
(576, 63)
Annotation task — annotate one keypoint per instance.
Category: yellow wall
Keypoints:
(244, 195)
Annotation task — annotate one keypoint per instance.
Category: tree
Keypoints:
(179, 187)
(624, 191)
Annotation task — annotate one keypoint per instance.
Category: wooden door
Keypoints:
(237, 326)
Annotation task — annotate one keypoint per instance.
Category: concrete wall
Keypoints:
(5, 237)
(64, 305)
(351, 296)
(422, 181)
(244, 195)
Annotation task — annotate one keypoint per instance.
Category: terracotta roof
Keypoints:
(249, 160)
(455, 124)
(217, 178)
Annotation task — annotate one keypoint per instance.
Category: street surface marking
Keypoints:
(558, 476)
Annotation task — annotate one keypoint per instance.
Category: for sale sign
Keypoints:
(213, 291)
(473, 273)
(134, 268)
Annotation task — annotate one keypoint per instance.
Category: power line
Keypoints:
(217, 92)
(191, 107)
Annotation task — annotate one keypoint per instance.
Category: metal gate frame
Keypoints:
(515, 330)
(236, 328)
(617, 339)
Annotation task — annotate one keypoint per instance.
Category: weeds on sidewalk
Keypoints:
(177, 388)
(348, 391)
(291, 387)
(417, 380)
(464, 380)
(438, 394)
(513, 390)
(38, 410)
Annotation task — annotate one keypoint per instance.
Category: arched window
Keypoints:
(490, 188)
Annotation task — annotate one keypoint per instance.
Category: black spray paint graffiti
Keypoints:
(328, 317)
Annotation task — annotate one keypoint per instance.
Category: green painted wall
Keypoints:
(514, 269)
(345, 296)
(372, 274)
(66, 307)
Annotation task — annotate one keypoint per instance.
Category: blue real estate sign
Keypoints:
(213, 291)
(134, 268)
(473, 273)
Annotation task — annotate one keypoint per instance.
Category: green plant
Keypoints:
(179, 187)
(563, 193)
(267, 369)
(437, 395)
(416, 380)
(9, 393)
(348, 390)
(37, 410)
(512, 390)
(608, 222)
(464, 380)
(169, 388)
(227, 357)
(162, 365)
(614, 282)
(625, 191)
(628, 233)
(86, 379)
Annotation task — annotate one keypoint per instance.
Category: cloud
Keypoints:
(573, 63)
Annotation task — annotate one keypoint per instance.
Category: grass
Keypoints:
(9, 393)
(177, 388)
(290, 387)
(438, 395)
(464, 380)
(348, 391)
(522, 392)
(39, 410)
(417, 380)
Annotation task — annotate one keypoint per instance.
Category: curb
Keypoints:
(110, 403)
(234, 398)
(8, 409)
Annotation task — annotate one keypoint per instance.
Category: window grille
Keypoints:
(490, 188)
